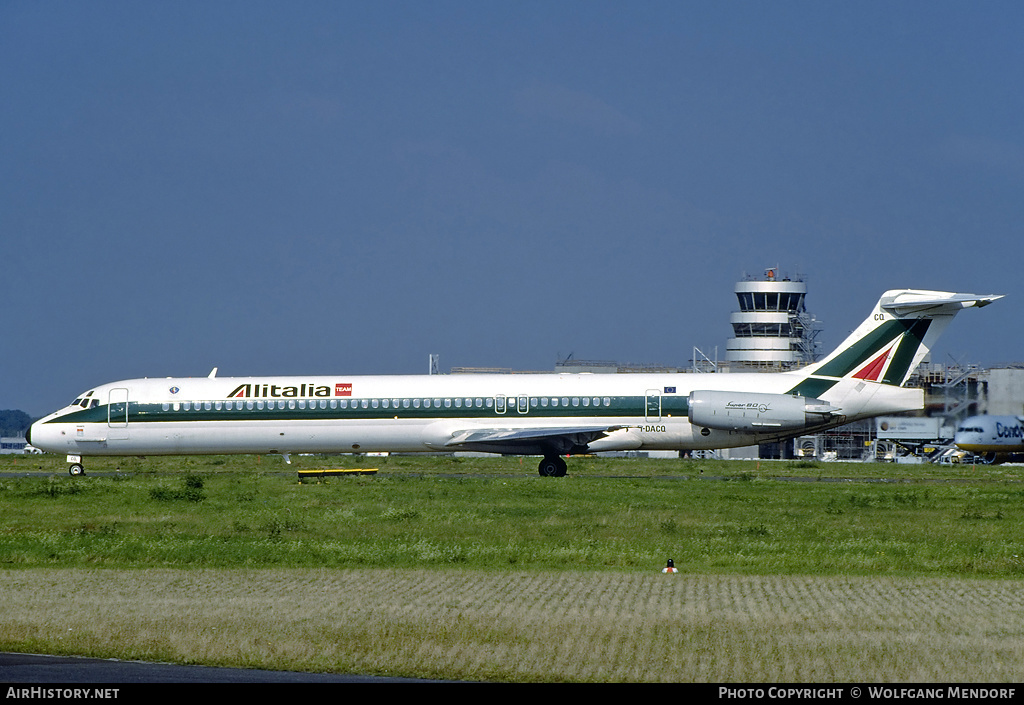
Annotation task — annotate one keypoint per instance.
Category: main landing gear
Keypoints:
(552, 466)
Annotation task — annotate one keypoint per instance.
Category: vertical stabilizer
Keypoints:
(889, 345)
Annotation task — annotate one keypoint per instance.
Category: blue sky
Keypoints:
(345, 188)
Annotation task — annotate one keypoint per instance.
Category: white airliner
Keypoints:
(994, 439)
(550, 415)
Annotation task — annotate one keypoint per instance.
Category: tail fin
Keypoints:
(889, 345)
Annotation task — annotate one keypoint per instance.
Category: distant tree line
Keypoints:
(14, 422)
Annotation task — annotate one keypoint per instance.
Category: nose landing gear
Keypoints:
(75, 468)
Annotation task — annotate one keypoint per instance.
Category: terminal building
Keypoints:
(12, 445)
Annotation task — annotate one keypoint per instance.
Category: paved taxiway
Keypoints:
(38, 668)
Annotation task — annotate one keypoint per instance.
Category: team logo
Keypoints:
(174, 390)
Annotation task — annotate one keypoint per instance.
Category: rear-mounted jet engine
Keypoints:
(754, 412)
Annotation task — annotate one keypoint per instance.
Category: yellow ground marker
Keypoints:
(320, 473)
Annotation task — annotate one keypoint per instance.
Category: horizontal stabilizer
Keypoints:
(910, 302)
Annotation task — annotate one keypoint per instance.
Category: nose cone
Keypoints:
(28, 435)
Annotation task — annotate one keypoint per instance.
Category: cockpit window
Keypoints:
(85, 401)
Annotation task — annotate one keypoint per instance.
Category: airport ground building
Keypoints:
(12, 444)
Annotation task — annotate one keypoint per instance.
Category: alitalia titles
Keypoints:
(271, 391)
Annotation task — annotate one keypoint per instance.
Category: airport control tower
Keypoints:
(772, 329)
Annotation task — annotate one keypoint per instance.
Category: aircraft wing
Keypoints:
(533, 441)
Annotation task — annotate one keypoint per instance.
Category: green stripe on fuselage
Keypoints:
(813, 387)
(260, 411)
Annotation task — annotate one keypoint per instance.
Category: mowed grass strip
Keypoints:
(528, 626)
(745, 524)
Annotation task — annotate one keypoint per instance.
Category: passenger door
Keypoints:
(117, 414)
(652, 406)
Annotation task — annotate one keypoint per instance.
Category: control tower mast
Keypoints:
(772, 329)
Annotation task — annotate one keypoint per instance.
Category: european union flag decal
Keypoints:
(670, 390)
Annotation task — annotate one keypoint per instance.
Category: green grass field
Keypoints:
(575, 557)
